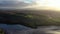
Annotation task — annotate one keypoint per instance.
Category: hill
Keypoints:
(30, 18)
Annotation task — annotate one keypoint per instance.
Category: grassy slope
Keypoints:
(30, 19)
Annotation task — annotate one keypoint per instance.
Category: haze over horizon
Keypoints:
(30, 4)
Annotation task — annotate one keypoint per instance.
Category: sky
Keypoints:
(31, 4)
(15, 3)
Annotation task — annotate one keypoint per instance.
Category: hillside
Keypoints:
(30, 18)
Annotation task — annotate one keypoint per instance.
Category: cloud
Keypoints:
(13, 4)
(19, 4)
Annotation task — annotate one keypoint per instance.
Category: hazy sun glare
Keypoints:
(46, 4)
(49, 4)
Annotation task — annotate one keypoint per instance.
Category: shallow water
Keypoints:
(43, 30)
(12, 27)
(19, 29)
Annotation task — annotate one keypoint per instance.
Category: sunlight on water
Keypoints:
(43, 30)
(54, 32)
(40, 30)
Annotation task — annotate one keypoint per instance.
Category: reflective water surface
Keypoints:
(19, 29)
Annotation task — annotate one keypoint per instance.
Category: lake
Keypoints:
(19, 29)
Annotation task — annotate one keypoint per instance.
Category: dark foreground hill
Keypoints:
(30, 18)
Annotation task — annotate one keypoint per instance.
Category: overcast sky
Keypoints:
(15, 3)
(34, 4)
